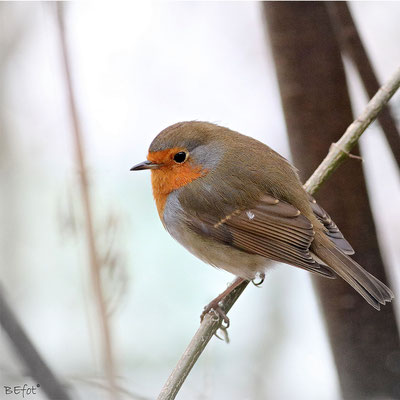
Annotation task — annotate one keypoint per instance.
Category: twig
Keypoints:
(198, 343)
(335, 157)
(35, 365)
(351, 44)
(338, 153)
(87, 207)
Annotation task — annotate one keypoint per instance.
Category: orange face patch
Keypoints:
(171, 175)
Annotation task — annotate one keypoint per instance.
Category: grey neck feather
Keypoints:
(207, 155)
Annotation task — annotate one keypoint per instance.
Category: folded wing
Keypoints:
(272, 228)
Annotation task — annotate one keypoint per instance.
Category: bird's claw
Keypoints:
(216, 309)
(224, 331)
(217, 314)
(260, 282)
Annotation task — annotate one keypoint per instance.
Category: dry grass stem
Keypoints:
(95, 264)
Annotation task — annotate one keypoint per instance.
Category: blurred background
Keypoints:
(137, 68)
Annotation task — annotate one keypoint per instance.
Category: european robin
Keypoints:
(238, 205)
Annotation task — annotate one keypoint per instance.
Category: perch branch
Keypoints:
(336, 155)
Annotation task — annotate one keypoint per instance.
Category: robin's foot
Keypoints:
(261, 278)
(214, 308)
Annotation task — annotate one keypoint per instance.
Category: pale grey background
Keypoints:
(137, 68)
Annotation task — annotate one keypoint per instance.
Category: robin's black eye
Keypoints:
(180, 157)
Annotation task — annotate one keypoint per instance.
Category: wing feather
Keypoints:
(272, 229)
(331, 229)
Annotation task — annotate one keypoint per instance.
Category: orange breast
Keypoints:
(170, 176)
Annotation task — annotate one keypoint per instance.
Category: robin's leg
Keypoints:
(215, 305)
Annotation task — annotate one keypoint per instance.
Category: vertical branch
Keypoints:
(88, 213)
(351, 44)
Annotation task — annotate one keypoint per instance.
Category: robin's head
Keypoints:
(182, 153)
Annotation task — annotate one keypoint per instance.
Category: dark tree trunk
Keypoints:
(316, 104)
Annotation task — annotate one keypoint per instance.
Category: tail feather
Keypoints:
(370, 288)
(387, 294)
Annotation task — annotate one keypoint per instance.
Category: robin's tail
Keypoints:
(373, 290)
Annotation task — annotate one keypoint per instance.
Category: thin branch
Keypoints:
(87, 207)
(35, 365)
(341, 150)
(351, 44)
(337, 154)
(196, 346)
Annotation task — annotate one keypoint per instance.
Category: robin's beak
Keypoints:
(145, 165)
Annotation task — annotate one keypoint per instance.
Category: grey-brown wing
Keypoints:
(272, 228)
(331, 229)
